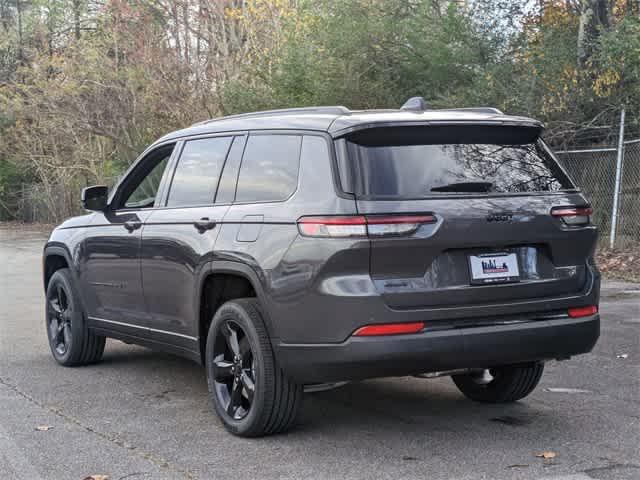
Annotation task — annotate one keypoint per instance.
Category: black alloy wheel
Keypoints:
(234, 370)
(250, 393)
(71, 341)
(59, 316)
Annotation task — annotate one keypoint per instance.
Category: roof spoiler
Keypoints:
(442, 132)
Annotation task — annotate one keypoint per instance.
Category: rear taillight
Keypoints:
(346, 226)
(362, 225)
(573, 216)
(577, 312)
(389, 329)
(378, 225)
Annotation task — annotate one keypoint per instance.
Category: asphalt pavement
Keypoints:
(145, 415)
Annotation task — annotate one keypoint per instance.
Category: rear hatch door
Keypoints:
(508, 224)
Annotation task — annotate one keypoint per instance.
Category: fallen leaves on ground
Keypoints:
(44, 428)
(566, 390)
(621, 264)
(546, 455)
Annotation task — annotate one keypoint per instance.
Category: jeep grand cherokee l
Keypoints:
(294, 247)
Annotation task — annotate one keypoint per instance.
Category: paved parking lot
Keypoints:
(145, 415)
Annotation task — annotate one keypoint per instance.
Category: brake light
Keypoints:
(347, 226)
(389, 329)
(573, 216)
(362, 226)
(577, 312)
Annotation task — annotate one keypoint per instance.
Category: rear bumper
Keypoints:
(431, 351)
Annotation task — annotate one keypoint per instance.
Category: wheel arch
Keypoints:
(56, 257)
(224, 281)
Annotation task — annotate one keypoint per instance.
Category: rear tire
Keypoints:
(509, 383)
(71, 342)
(250, 393)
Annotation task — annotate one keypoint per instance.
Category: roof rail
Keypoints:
(334, 110)
(478, 110)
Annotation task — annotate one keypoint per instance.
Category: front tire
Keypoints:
(71, 342)
(501, 384)
(250, 393)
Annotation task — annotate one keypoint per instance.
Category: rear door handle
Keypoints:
(132, 225)
(204, 224)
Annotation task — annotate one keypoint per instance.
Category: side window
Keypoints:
(196, 177)
(142, 191)
(269, 170)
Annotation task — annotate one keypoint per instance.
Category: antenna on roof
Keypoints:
(415, 104)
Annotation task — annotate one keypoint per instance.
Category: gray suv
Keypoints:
(288, 248)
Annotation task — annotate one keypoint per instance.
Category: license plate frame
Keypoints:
(492, 268)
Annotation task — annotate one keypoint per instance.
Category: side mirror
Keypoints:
(95, 198)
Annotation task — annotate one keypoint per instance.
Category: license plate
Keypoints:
(493, 268)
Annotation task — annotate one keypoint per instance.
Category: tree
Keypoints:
(86, 84)
(594, 19)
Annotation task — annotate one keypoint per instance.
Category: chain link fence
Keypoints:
(594, 171)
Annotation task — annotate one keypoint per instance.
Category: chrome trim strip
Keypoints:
(123, 324)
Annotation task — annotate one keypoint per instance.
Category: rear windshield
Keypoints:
(420, 170)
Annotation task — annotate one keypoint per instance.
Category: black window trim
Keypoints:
(171, 166)
(179, 141)
(130, 176)
(245, 137)
(281, 131)
(166, 180)
(179, 145)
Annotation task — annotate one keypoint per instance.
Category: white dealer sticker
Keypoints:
(494, 268)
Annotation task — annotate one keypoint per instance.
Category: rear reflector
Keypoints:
(577, 312)
(389, 329)
(573, 216)
(361, 225)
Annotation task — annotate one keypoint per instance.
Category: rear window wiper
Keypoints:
(464, 187)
